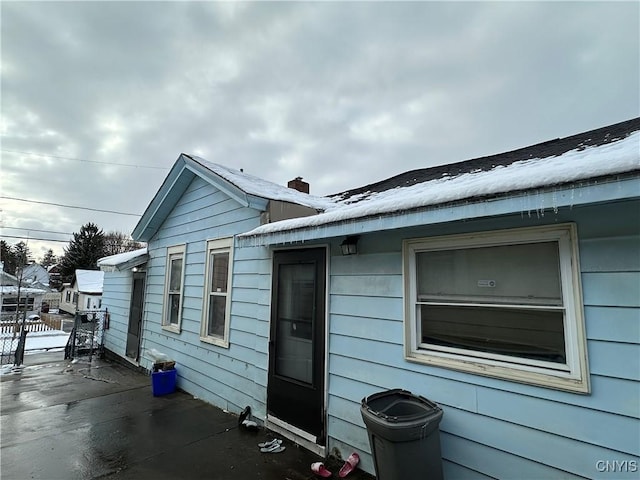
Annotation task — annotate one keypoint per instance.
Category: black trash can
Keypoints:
(404, 435)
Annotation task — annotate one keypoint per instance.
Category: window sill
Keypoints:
(171, 328)
(215, 341)
(541, 377)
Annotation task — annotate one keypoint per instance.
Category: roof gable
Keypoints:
(6, 279)
(35, 273)
(247, 190)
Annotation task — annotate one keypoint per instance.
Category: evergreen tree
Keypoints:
(83, 251)
(49, 259)
(7, 257)
(21, 255)
(15, 256)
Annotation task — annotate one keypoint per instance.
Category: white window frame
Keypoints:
(176, 251)
(221, 245)
(572, 376)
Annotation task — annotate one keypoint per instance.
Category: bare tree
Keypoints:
(119, 242)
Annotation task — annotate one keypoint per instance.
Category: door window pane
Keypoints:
(296, 305)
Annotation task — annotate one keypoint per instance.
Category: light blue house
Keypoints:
(505, 288)
(123, 297)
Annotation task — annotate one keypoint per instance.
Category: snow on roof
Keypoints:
(263, 188)
(7, 278)
(579, 164)
(120, 258)
(24, 291)
(89, 281)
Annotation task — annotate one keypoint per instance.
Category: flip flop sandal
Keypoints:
(274, 448)
(319, 469)
(244, 415)
(349, 465)
(277, 441)
(250, 425)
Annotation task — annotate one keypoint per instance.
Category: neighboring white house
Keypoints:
(31, 297)
(35, 273)
(9, 293)
(84, 292)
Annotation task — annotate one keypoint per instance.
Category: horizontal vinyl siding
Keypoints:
(229, 378)
(116, 298)
(493, 428)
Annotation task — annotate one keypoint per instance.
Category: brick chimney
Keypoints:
(299, 184)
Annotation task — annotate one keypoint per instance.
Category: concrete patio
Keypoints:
(98, 419)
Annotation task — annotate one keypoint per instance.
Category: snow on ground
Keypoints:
(37, 342)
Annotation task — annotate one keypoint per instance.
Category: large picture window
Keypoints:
(10, 304)
(505, 304)
(217, 299)
(172, 316)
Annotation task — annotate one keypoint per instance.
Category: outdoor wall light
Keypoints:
(350, 245)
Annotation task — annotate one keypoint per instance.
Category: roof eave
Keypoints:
(591, 191)
(163, 201)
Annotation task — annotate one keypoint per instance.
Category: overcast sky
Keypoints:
(342, 94)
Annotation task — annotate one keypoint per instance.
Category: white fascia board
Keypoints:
(134, 262)
(161, 204)
(257, 203)
(223, 185)
(236, 193)
(537, 200)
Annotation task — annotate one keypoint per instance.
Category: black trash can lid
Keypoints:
(399, 405)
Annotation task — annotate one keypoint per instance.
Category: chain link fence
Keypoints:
(45, 332)
(9, 336)
(87, 336)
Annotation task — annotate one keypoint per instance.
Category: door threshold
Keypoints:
(131, 361)
(300, 437)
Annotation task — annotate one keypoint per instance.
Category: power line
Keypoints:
(69, 206)
(34, 230)
(36, 238)
(83, 160)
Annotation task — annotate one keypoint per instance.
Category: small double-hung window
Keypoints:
(505, 304)
(217, 299)
(172, 315)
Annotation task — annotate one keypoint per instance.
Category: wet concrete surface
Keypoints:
(98, 419)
